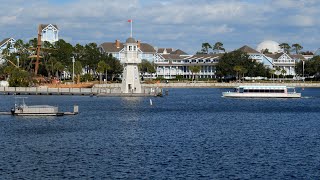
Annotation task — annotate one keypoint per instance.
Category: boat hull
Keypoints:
(261, 95)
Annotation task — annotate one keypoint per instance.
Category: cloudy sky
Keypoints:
(180, 24)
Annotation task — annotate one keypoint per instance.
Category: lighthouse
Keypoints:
(131, 76)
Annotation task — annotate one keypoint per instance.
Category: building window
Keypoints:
(130, 48)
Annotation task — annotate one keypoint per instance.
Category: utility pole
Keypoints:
(73, 60)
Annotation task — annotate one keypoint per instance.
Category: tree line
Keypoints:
(56, 58)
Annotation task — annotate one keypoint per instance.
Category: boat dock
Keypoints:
(95, 91)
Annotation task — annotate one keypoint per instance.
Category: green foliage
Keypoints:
(296, 47)
(19, 78)
(228, 62)
(86, 78)
(146, 67)
(205, 48)
(217, 47)
(285, 47)
(311, 67)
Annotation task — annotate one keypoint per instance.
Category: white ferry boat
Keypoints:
(262, 92)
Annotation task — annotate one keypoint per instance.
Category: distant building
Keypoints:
(286, 61)
(257, 56)
(270, 46)
(4, 44)
(49, 32)
(317, 52)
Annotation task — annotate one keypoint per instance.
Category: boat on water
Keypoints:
(21, 109)
(262, 92)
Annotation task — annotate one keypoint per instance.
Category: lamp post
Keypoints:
(303, 69)
(73, 60)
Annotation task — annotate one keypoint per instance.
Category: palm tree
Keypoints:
(218, 46)
(237, 69)
(194, 70)
(278, 69)
(58, 67)
(78, 70)
(205, 47)
(102, 66)
(285, 47)
(272, 72)
(283, 72)
(297, 48)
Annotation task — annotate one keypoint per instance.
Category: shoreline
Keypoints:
(148, 89)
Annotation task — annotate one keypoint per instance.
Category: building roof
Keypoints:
(4, 41)
(205, 56)
(42, 26)
(110, 47)
(171, 56)
(131, 40)
(247, 49)
(278, 55)
(297, 56)
(161, 50)
(179, 52)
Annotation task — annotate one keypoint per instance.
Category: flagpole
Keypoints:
(131, 28)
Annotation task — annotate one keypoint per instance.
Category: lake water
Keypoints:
(190, 134)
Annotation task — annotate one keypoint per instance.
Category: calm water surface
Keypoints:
(190, 134)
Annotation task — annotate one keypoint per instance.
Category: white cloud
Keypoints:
(165, 22)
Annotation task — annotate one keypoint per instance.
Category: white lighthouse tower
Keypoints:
(130, 76)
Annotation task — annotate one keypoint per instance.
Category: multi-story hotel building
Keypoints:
(173, 63)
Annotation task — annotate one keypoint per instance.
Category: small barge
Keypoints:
(21, 109)
(262, 92)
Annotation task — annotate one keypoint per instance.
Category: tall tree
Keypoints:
(78, 70)
(194, 70)
(205, 48)
(285, 47)
(296, 47)
(238, 69)
(102, 66)
(218, 46)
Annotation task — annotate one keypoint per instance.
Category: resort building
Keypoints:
(170, 66)
(4, 44)
(257, 56)
(49, 32)
(286, 61)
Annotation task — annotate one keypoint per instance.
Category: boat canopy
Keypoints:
(264, 87)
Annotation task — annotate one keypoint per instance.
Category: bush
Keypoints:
(19, 78)
(86, 78)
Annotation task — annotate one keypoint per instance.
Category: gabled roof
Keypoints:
(278, 55)
(171, 56)
(297, 56)
(274, 56)
(4, 41)
(247, 49)
(109, 47)
(42, 26)
(179, 52)
(145, 47)
(161, 50)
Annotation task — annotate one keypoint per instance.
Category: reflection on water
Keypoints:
(190, 134)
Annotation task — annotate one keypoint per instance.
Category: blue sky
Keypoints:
(180, 24)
